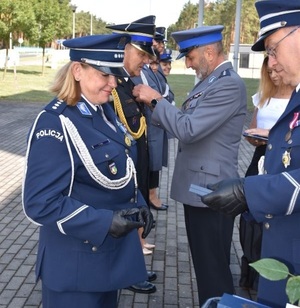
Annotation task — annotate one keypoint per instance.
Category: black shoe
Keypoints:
(145, 287)
(163, 207)
(151, 276)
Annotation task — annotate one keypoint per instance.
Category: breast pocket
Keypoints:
(204, 172)
(105, 156)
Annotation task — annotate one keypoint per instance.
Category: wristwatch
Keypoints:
(155, 101)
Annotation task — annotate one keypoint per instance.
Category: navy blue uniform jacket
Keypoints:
(73, 210)
(274, 199)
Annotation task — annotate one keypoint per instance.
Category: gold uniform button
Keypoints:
(94, 248)
(267, 225)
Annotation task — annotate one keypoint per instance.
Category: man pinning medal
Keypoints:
(209, 127)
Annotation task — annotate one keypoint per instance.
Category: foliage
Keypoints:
(42, 22)
(274, 270)
(15, 17)
(85, 20)
(219, 12)
(52, 22)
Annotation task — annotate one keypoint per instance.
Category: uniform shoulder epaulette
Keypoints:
(56, 106)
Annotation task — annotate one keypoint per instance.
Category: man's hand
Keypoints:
(145, 94)
(146, 218)
(121, 225)
(227, 197)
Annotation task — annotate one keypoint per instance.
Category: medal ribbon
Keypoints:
(294, 123)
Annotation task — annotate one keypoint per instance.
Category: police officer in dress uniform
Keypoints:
(208, 127)
(80, 183)
(132, 113)
(165, 62)
(156, 136)
(273, 198)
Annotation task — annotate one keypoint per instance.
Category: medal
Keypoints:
(127, 137)
(286, 158)
(288, 136)
(112, 167)
(127, 140)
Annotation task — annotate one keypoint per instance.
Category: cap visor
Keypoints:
(259, 45)
(115, 71)
(181, 55)
(146, 48)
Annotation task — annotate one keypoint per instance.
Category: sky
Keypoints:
(124, 11)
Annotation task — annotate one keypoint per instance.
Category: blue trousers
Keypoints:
(53, 299)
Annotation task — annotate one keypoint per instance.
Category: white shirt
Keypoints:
(268, 115)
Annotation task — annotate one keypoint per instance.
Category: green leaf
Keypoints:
(271, 269)
(293, 289)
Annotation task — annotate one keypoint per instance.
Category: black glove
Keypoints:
(146, 218)
(227, 197)
(121, 225)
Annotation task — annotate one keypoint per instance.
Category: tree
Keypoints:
(83, 24)
(53, 19)
(16, 16)
(219, 12)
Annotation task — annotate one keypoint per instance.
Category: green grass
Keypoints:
(181, 84)
(29, 85)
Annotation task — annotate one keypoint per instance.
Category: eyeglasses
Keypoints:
(271, 52)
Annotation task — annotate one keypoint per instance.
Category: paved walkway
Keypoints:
(176, 285)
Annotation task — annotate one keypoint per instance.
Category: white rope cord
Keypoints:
(88, 162)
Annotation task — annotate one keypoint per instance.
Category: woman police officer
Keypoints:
(80, 183)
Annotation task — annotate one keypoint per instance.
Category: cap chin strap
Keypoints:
(101, 63)
(274, 26)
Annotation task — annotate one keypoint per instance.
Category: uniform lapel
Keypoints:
(99, 123)
(294, 104)
(105, 128)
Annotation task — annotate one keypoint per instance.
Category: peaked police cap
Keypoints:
(141, 32)
(103, 52)
(195, 37)
(274, 15)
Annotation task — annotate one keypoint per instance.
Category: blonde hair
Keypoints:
(267, 88)
(65, 87)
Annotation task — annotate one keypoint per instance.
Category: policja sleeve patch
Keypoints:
(48, 132)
